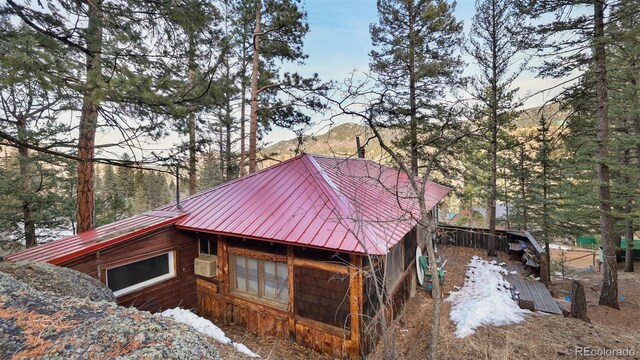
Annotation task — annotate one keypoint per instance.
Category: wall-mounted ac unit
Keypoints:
(206, 266)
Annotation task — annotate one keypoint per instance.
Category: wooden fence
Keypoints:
(471, 237)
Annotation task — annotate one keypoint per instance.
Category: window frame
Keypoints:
(274, 302)
(210, 242)
(144, 284)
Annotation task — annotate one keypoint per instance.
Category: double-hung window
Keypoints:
(260, 278)
(130, 277)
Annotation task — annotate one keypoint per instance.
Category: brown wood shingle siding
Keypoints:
(322, 296)
(178, 291)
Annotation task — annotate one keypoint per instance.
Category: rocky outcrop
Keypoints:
(38, 321)
(58, 280)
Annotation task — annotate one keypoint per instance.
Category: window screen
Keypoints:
(394, 266)
(126, 278)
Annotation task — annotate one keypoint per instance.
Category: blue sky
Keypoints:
(339, 43)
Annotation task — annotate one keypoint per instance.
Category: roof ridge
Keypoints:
(326, 181)
(337, 200)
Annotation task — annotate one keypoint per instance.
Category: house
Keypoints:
(280, 251)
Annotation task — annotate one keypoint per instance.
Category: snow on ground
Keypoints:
(206, 327)
(484, 299)
(559, 247)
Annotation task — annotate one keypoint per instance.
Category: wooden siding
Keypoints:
(322, 295)
(178, 291)
(215, 301)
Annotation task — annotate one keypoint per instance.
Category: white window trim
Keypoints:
(153, 281)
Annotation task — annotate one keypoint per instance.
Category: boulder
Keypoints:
(44, 324)
(58, 280)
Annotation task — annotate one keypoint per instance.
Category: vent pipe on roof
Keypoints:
(178, 206)
(359, 148)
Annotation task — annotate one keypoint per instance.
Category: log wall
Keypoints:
(215, 301)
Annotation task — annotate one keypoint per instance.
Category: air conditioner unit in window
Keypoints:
(206, 266)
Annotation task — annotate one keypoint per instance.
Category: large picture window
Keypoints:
(261, 278)
(136, 275)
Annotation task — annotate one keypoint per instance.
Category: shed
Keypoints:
(285, 251)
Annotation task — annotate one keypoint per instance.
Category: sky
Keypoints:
(339, 43)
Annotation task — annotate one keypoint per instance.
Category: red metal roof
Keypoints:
(351, 205)
(342, 204)
(71, 247)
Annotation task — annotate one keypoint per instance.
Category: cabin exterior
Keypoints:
(294, 250)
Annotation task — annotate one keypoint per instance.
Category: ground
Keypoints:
(541, 336)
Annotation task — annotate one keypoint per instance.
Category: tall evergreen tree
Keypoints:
(123, 60)
(495, 45)
(30, 104)
(417, 64)
(416, 60)
(584, 47)
(624, 90)
(279, 29)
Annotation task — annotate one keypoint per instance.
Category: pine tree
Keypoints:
(278, 33)
(416, 62)
(584, 45)
(30, 103)
(495, 46)
(415, 59)
(123, 65)
(624, 100)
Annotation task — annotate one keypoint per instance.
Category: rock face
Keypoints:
(37, 323)
(58, 280)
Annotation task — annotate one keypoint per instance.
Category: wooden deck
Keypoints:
(533, 294)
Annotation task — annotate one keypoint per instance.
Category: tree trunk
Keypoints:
(413, 130)
(628, 234)
(523, 191)
(89, 119)
(506, 199)
(193, 163)
(493, 149)
(578, 301)
(609, 293)
(27, 191)
(255, 67)
(221, 138)
(228, 143)
(243, 104)
(435, 290)
(228, 122)
(191, 125)
(545, 207)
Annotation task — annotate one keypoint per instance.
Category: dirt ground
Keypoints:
(576, 258)
(541, 336)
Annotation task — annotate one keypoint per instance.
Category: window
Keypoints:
(208, 247)
(136, 275)
(261, 278)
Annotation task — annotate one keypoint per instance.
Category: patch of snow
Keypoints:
(502, 264)
(559, 247)
(206, 327)
(485, 299)
(513, 272)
